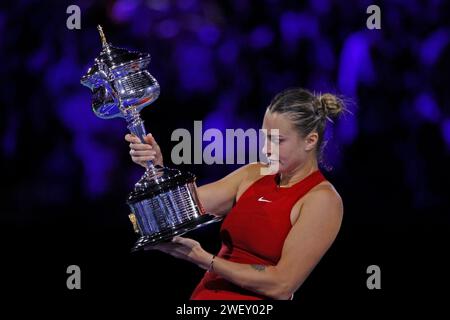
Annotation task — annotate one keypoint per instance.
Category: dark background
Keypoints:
(66, 173)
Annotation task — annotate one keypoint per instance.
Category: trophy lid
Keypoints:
(117, 60)
(119, 81)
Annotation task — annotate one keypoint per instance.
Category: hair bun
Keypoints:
(332, 106)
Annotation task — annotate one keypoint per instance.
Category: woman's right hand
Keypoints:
(143, 152)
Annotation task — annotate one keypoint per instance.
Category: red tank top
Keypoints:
(254, 232)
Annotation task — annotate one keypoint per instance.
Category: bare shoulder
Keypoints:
(249, 174)
(254, 171)
(243, 175)
(219, 196)
(324, 197)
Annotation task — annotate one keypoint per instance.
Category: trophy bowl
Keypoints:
(164, 202)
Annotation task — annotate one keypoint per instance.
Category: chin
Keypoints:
(271, 167)
(286, 169)
(277, 167)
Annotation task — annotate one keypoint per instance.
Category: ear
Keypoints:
(311, 141)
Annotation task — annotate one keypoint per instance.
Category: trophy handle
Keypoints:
(136, 127)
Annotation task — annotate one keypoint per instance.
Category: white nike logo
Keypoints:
(263, 200)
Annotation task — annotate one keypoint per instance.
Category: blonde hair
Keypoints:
(308, 112)
(332, 106)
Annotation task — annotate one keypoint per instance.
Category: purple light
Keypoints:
(98, 162)
(167, 29)
(355, 64)
(320, 6)
(222, 116)
(295, 26)
(76, 115)
(57, 161)
(347, 129)
(261, 37)
(290, 26)
(325, 55)
(195, 68)
(61, 74)
(228, 52)
(10, 136)
(159, 5)
(332, 156)
(433, 46)
(426, 107)
(186, 4)
(40, 57)
(123, 10)
(445, 127)
(320, 82)
(276, 82)
(208, 34)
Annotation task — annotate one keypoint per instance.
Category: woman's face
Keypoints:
(288, 150)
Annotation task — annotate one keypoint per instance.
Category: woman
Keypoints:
(276, 227)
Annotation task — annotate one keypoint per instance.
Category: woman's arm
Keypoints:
(306, 243)
(217, 197)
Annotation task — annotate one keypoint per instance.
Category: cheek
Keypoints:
(288, 147)
(290, 152)
(285, 152)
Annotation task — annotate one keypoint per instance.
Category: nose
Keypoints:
(267, 148)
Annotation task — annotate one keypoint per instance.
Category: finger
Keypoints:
(158, 246)
(184, 241)
(169, 247)
(150, 140)
(132, 139)
(177, 239)
(140, 146)
(143, 159)
(142, 153)
(181, 253)
(129, 137)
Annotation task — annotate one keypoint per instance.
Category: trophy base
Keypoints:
(147, 241)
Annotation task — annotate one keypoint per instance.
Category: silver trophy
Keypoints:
(164, 202)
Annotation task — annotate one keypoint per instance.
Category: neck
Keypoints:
(286, 179)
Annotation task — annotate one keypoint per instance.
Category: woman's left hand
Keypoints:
(186, 249)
